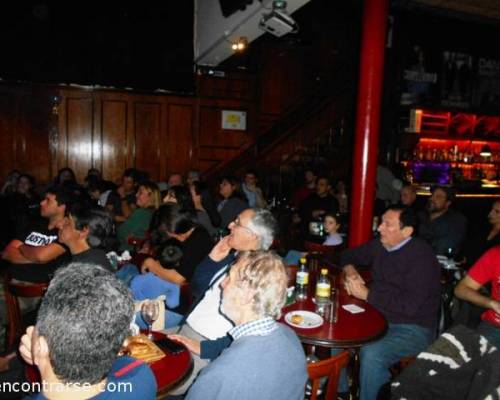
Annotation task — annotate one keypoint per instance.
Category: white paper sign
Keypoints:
(236, 120)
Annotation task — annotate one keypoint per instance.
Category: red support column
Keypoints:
(371, 73)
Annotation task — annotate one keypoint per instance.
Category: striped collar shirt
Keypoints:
(260, 327)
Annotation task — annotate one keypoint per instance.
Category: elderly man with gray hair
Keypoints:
(265, 360)
(205, 329)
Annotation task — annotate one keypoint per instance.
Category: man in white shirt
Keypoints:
(205, 329)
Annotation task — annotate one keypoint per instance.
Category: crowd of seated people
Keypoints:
(180, 245)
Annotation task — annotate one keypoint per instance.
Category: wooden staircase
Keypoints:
(316, 131)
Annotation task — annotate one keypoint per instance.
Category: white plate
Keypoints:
(309, 319)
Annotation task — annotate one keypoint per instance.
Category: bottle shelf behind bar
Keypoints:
(448, 161)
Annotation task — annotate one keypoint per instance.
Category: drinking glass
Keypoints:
(150, 311)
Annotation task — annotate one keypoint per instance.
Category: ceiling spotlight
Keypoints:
(240, 45)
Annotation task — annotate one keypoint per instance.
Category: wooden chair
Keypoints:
(13, 290)
(329, 368)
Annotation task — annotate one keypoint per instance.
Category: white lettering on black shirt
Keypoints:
(39, 239)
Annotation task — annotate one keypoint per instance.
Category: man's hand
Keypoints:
(351, 273)
(220, 250)
(150, 265)
(25, 345)
(356, 288)
(495, 306)
(192, 345)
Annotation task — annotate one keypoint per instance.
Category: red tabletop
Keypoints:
(171, 369)
(350, 330)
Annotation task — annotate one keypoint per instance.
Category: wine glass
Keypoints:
(150, 311)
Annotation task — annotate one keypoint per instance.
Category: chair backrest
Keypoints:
(319, 248)
(13, 290)
(329, 368)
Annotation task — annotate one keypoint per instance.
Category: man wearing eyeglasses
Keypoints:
(205, 328)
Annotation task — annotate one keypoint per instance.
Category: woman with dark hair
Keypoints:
(206, 212)
(193, 240)
(25, 201)
(10, 184)
(233, 200)
(65, 176)
(18, 208)
(179, 195)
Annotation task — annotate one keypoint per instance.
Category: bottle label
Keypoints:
(323, 290)
(302, 278)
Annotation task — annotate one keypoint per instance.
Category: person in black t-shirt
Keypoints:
(87, 234)
(194, 242)
(35, 253)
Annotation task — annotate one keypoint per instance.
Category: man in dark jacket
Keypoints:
(405, 289)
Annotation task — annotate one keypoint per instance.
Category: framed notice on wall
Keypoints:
(234, 120)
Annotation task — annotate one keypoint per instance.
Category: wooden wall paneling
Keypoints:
(32, 152)
(180, 138)
(147, 137)
(281, 80)
(211, 133)
(77, 141)
(24, 127)
(113, 140)
(7, 106)
(224, 143)
(97, 147)
(233, 86)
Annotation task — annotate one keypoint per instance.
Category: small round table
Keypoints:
(172, 369)
(350, 330)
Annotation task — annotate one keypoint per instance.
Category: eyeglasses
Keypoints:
(237, 223)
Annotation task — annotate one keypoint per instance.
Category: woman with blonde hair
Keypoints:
(148, 200)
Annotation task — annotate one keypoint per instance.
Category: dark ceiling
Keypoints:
(147, 45)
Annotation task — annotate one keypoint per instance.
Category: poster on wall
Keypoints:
(456, 79)
(418, 78)
(235, 120)
(487, 92)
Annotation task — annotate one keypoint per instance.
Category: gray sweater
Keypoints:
(255, 367)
